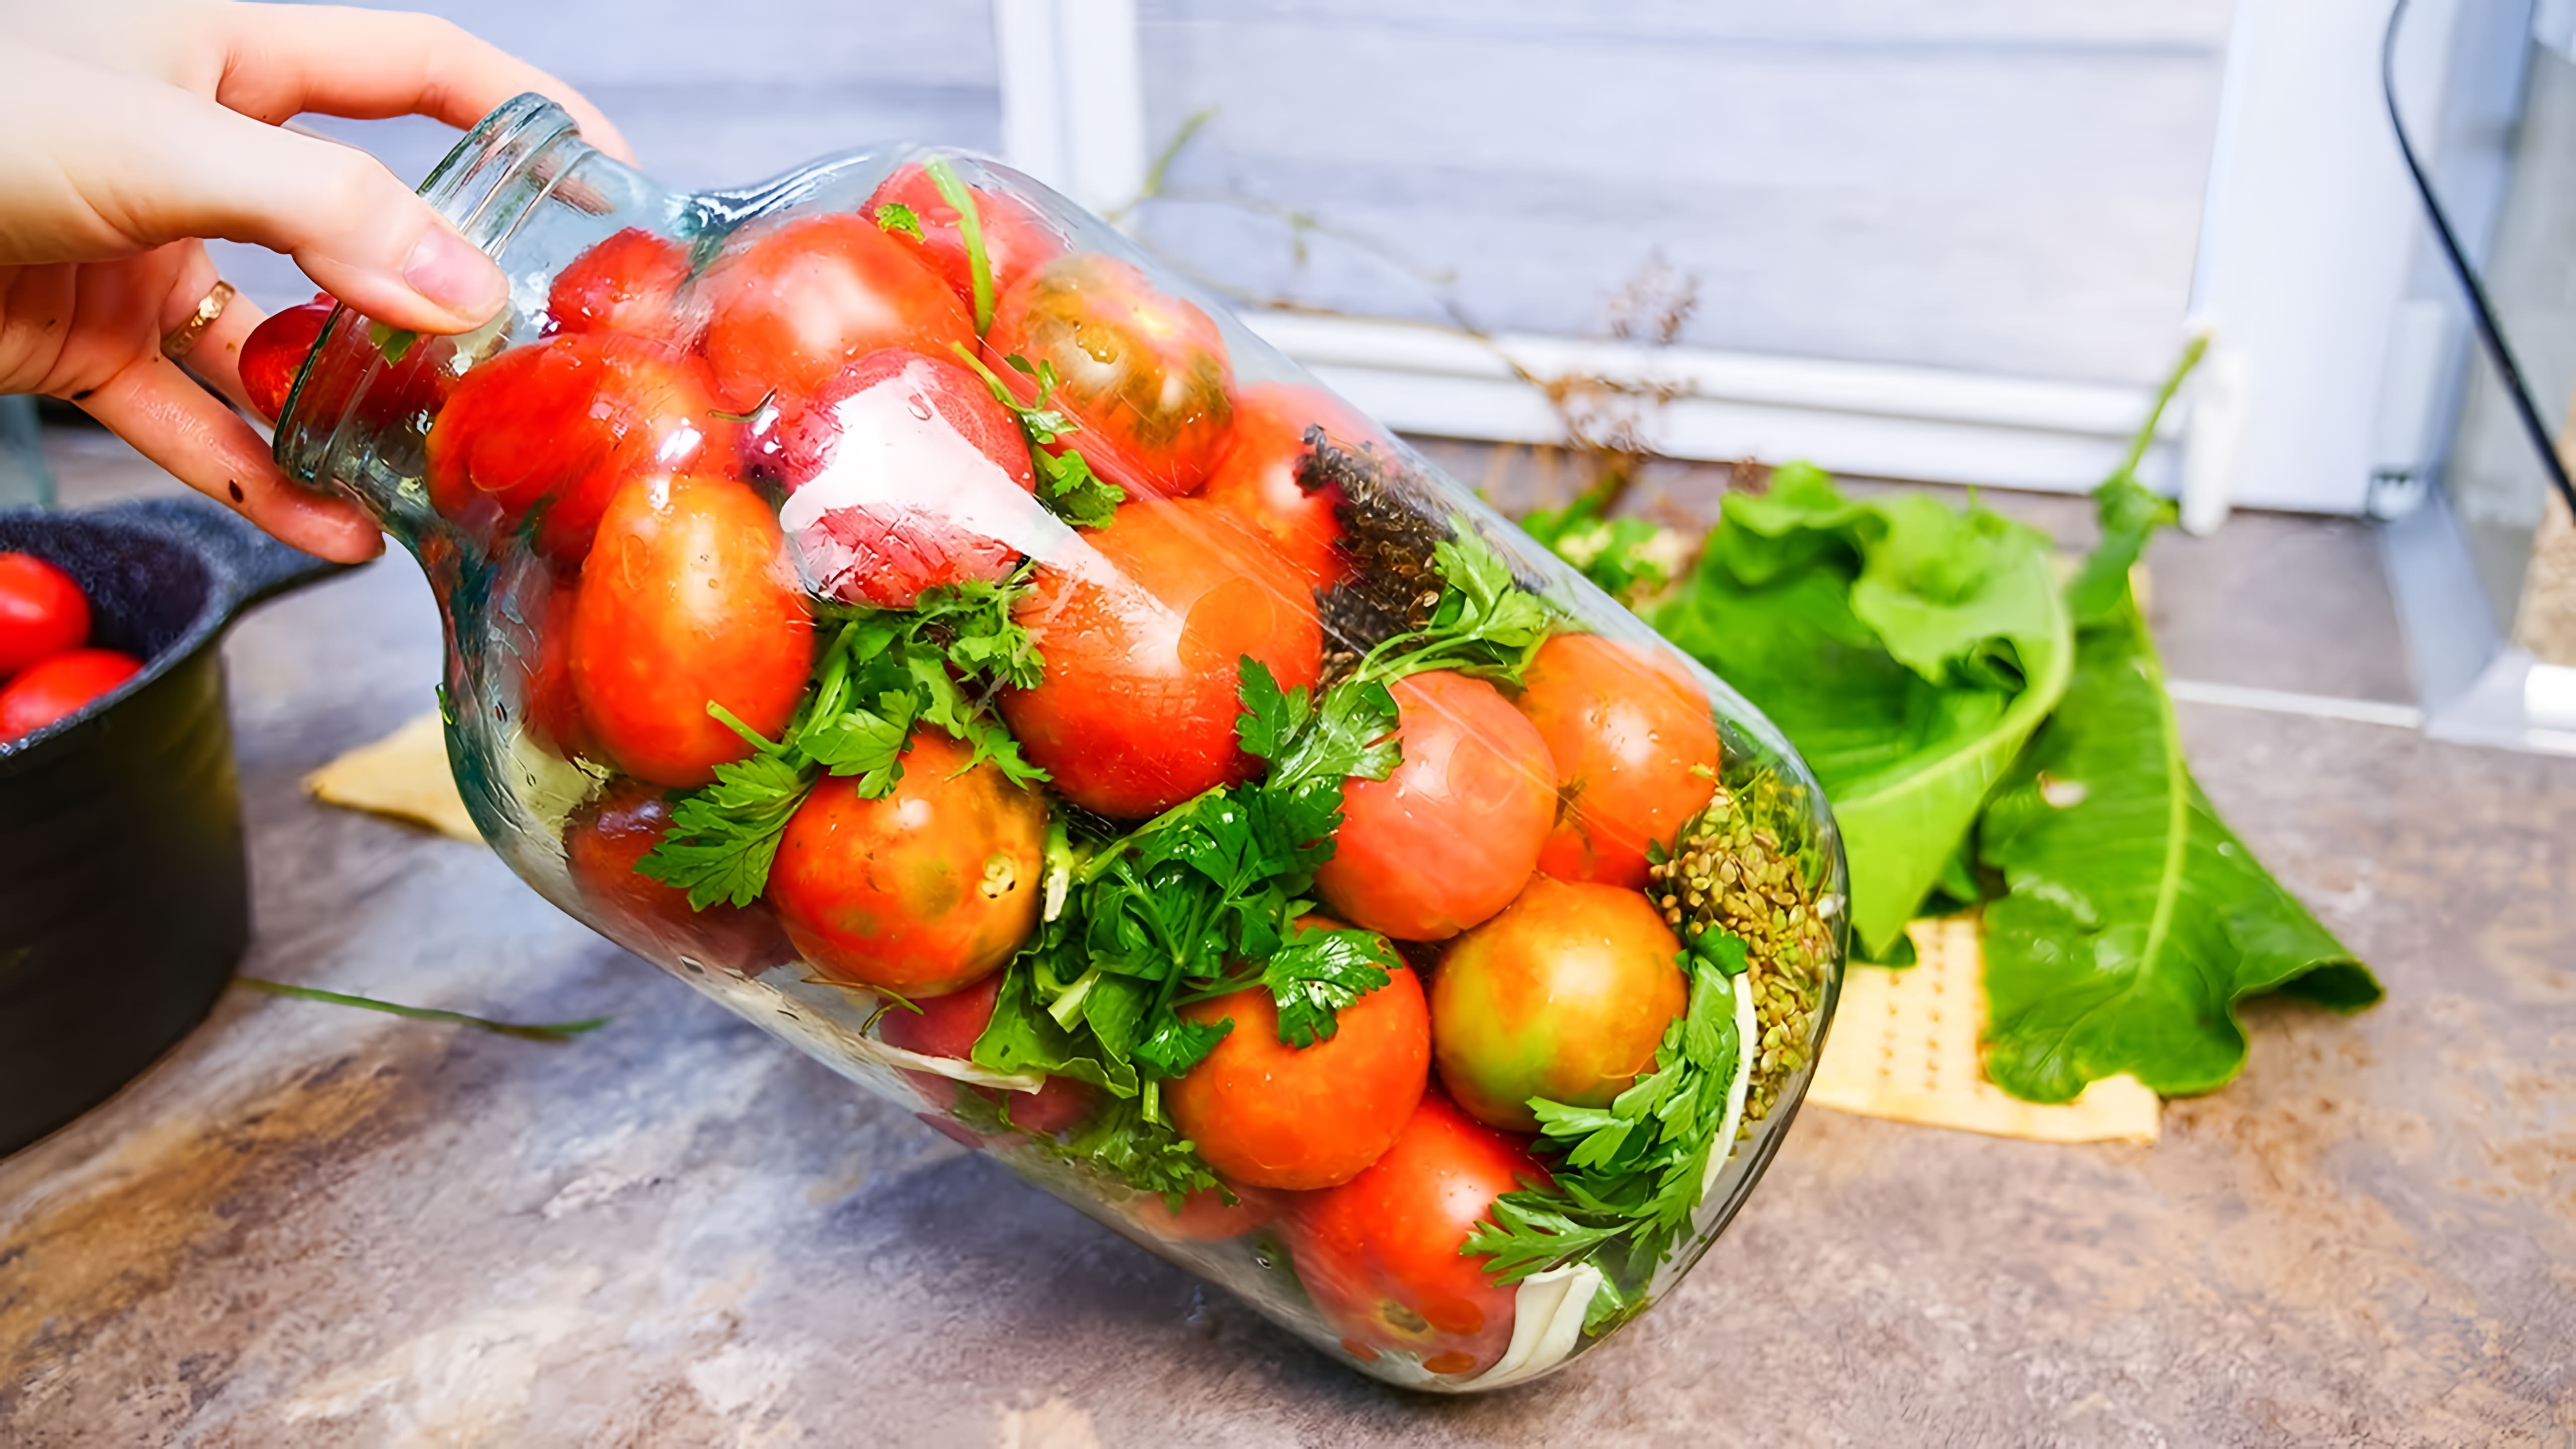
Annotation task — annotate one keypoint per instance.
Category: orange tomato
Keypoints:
(1379, 1254)
(1257, 475)
(1565, 995)
(1636, 754)
(1268, 1114)
(1449, 838)
(922, 892)
(689, 599)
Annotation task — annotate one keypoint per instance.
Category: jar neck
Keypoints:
(332, 434)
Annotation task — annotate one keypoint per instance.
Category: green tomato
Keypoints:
(1565, 995)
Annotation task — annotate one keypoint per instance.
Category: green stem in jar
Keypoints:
(970, 229)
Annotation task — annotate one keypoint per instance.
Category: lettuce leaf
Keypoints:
(1906, 647)
(2133, 921)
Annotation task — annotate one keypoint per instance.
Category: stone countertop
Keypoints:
(311, 1225)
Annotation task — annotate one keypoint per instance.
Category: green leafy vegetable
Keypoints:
(894, 216)
(1485, 623)
(393, 343)
(1634, 1170)
(1630, 559)
(2133, 920)
(1066, 483)
(883, 673)
(1906, 647)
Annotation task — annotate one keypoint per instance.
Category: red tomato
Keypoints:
(791, 304)
(1205, 1216)
(42, 612)
(690, 602)
(605, 839)
(904, 473)
(922, 892)
(60, 686)
(1636, 754)
(1379, 1254)
(628, 283)
(1142, 625)
(1266, 1113)
(947, 1026)
(1144, 374)
(564, 425)
(1257, 476)
(274, 353)
(1449, 838)
(1565, 995)
(1015, 237)
(549, 707)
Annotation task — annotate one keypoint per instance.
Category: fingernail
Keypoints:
(454, 273)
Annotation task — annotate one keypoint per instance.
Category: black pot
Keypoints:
(124, 902)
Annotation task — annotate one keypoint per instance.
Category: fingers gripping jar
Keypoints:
(891, 603)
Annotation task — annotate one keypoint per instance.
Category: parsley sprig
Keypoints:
(1209, 898)
(1633, 1171)
(970, 230)
(884, 672)
(1066, 483)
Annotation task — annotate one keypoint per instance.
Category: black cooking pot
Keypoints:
(124, 902)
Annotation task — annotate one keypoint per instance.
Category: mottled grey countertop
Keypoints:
(311, 1225)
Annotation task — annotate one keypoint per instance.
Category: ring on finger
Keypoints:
(176, 343)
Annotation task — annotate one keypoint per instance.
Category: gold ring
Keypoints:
(176, 342)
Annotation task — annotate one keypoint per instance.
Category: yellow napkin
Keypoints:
(404, 775)
(1904, 1047)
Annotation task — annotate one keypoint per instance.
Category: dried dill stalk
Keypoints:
(1389, 533)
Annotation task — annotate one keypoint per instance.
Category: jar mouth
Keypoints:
(489, 181)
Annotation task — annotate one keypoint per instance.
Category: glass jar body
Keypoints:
(891, 603)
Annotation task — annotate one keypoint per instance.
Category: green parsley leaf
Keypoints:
(723, 837)
(1178, 1044)
(894, 216)
(393, 343)
(1317, 972)
(1485, 624)
(1066, 483)
(1633, 1171)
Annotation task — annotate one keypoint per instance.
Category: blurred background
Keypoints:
(1955, 244)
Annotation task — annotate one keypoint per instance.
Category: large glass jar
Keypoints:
(892, 603)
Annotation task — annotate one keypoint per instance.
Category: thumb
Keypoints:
(144, 164)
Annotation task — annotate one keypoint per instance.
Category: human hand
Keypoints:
(129, 129)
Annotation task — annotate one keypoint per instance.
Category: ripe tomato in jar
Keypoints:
(1450, 837)
(903, 474)
(1636, 754)
(1144, 373)
(630, 282)
(550, 709)
(562, 425)
(947, 1026)
(1142, 625)
(925, 891)
(275, 351)
(1269, 1114)
(608, 836)
(789, 305)
(689, 600)
(1257, 474)
(1016, 239)
(1379, 1254)
(1565, 995)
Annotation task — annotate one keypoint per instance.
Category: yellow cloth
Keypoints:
(1904, 1047)
(404, 775)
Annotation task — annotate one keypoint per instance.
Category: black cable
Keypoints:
(2514, 387)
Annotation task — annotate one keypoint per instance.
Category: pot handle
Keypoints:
(248, 565)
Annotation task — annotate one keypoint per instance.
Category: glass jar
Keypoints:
(889, 601)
